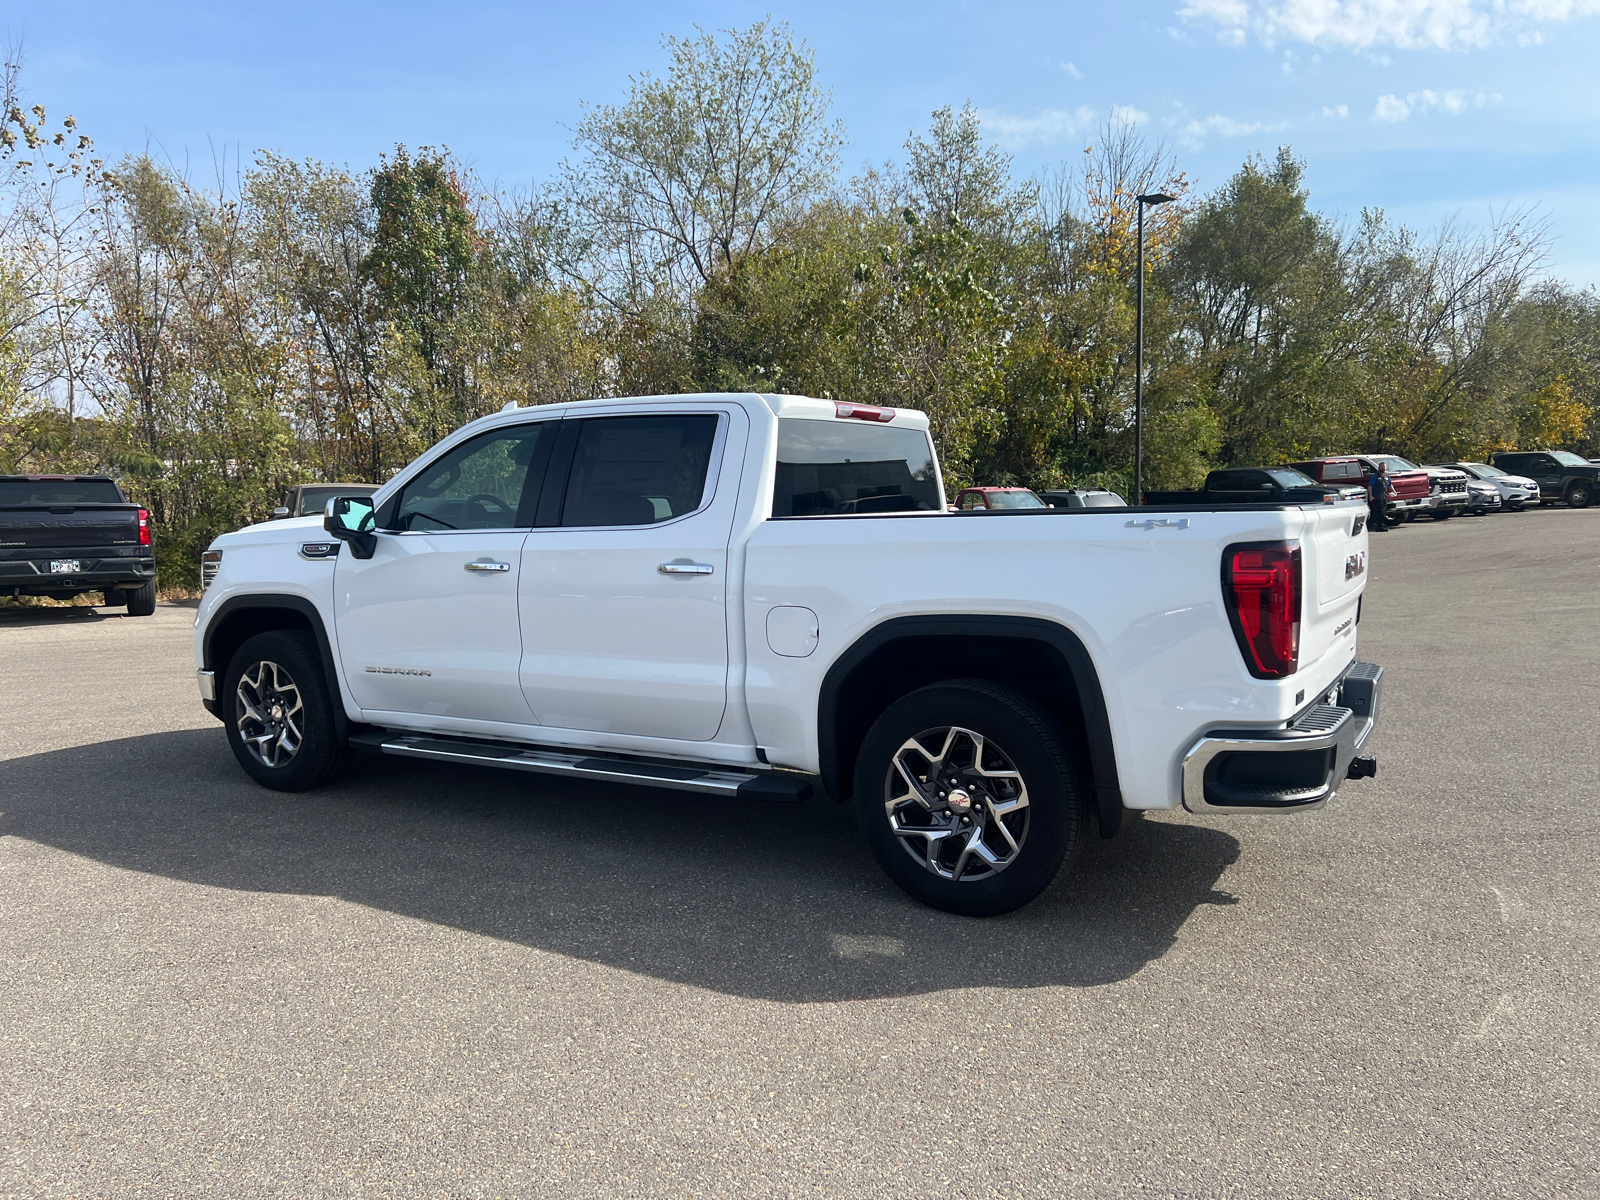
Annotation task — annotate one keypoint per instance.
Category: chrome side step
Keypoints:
(707, 780)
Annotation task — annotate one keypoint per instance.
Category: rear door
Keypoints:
(1546, 472)
(624, 581)
(428, 625)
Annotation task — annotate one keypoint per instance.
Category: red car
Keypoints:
(980, 499)
(1410, 492)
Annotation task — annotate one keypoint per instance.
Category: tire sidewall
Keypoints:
(1580, 495)
(1031, 739)
(320, 751)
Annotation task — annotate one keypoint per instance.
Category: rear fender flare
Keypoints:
(1080, 665)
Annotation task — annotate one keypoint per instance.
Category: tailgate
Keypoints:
(1334, 575)
(64, 527)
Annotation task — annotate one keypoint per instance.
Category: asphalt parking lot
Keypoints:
(437, 982)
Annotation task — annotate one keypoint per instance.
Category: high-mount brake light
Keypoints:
(1261, 589)
(862, 412)
(144, 527)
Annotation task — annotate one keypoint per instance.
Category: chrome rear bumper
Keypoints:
(1292, 769)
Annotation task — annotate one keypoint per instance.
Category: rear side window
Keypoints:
(639, 470)
(59, 491)
(833, 468)
(1344, 470)
(478, 485)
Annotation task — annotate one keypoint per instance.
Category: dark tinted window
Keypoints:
(1332, 472)
(478, 485)
(831, 467)
(314, 500)
(638, 470)
(59, 491)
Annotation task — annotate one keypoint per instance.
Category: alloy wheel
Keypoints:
(271, 714)
(957, 804)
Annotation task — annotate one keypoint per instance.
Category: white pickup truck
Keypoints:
(749, 594)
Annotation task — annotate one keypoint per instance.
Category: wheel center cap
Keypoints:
(959, 801)
(277, 712)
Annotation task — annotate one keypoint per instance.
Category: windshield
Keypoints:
(1022, 499)
(1568, 459)
(1290, 478)
(1396, 463)
(1482, 470)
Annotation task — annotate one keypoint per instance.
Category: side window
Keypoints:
(972, 500)
(481, 484)
(638, 470)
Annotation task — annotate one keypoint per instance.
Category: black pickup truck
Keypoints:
(1258, 485)
(1560, 474)
(64, 535)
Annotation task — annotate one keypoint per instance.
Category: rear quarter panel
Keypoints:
(1146, 603)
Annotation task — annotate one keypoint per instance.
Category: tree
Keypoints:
(696, 169)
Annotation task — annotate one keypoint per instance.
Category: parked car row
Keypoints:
(1509, 482)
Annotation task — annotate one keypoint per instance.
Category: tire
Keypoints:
(978, 730)
(1580, 495)
(279, 714)
(1442, 514)
(142, 601)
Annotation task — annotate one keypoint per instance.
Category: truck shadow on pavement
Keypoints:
(775, 902)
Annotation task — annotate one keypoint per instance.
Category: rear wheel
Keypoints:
(279, 714)
(142, 601)
(972, 798)
(1580, 495)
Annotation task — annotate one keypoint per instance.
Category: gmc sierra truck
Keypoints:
(690, 593)
(64, 535)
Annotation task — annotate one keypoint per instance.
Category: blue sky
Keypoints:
(1424, 108)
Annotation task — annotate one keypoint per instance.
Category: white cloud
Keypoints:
(1194, 134)
(1340, 111)
(1071, 69)
(1363, 24)
(1043, 128)
(1126, 112)
(1453, 103)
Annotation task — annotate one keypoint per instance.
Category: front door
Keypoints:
(428, 625)
(624, 585)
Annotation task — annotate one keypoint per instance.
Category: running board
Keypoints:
(707, 780)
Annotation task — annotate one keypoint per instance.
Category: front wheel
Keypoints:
(971, 796)
(279, 714)
(1580, 495)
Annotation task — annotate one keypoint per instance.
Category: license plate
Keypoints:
(65, 566)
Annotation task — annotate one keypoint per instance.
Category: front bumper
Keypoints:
(1291, 769)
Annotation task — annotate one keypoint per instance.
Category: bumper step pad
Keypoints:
(708, 780)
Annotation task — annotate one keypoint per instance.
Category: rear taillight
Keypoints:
(144, 527)
(862, 412)
(1261, 587)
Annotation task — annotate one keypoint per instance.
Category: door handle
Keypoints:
(686, 568)
(488, 566)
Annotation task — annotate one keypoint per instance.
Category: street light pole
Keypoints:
(1138, 354)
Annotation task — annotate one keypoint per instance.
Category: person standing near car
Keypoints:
(1378, 488)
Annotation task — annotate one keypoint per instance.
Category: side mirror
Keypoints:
(352, 519)
(279, 513)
